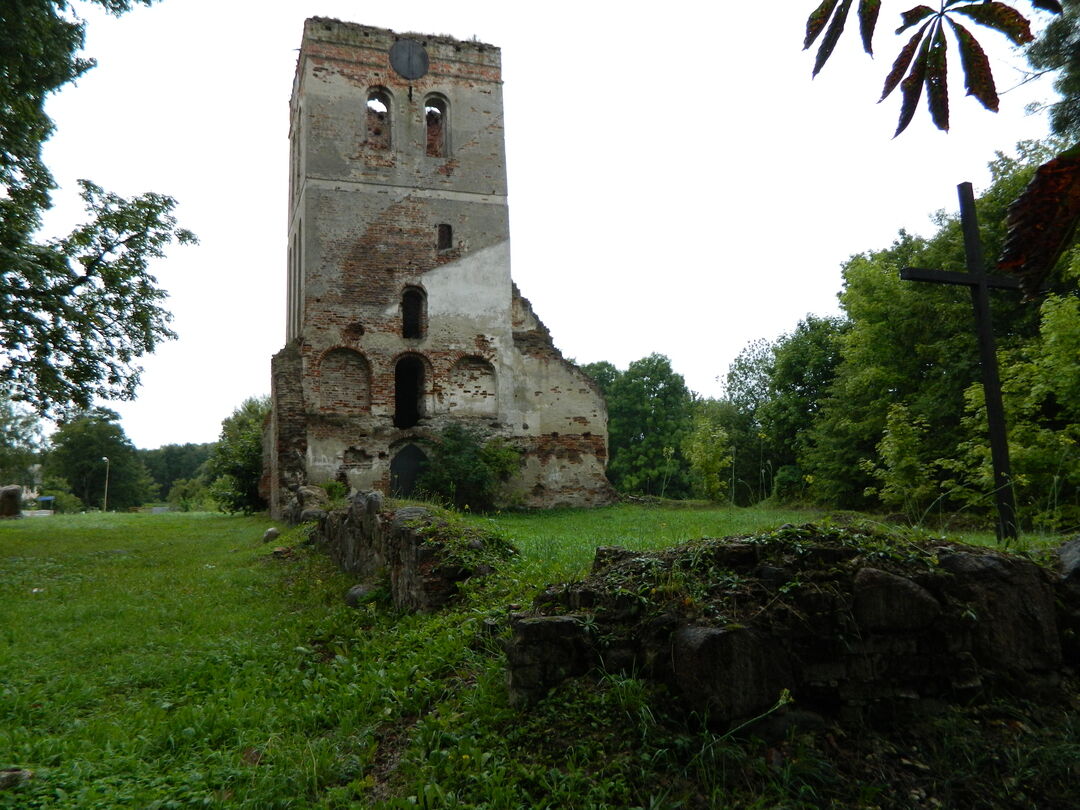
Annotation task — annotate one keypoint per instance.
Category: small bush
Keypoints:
(789, 484)
(64, 501)
(467, 471)
(337, 494)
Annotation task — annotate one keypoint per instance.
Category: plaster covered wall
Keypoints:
(402, 314)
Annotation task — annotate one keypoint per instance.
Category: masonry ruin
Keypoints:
(401, 314)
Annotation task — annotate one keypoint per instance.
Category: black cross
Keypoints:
(980, 282)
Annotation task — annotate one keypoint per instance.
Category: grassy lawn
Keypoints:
(160, 661)
(142, 658)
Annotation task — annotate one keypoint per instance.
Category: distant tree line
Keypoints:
(880, 408)
(89, 451)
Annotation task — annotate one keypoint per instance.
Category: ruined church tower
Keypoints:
(401, 313)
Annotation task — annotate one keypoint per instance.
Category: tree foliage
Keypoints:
(77, 312)
(80, 446)
(902, 468)
(923, 60)
(191, 495)
(803, 367)
(468, 469)
(1058, 50)
(649, 409)
(603, 374)
(883, 408)
(21, 443)
(235, 467)
(1041, 392)
(746, 392)
(172, 462)
(708, 451)
(772, 392)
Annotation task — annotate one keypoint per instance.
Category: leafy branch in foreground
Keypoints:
(924, 57)
(1058, 51)
(75, 313)
(1042, 222)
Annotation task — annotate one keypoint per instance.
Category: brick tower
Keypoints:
(402, 316)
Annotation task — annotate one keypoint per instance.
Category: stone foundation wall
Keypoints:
(418, 552)
(848, 624)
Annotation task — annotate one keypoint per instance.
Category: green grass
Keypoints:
(161, 661)
(559, 545)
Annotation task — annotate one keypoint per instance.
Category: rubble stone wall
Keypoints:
(412, 548)
(849, 627)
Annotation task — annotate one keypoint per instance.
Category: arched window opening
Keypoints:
(408, 391)
(405, 468)
(435, 118)
(378, 119)
(413, 313)
(444, 239)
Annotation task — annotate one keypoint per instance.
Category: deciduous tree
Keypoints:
(235, 465)
(903, 467)
(708, 451)
(77, 312)
(603, 374)
(21, 443)
(172, 462)
(1041, 391)
(1058, 51)
(80, 446)
(911, 345)
(648, 420)
(803, 367)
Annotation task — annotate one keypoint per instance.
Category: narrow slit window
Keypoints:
(444, 239)
(296, 152)
(412, 313)
(437, 126)
(378, 119)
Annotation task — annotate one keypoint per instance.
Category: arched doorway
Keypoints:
(405, 468)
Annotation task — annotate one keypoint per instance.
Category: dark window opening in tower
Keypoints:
(445, 238)
(408, 390)
(412, 313)
(435, 118)
(378, 119)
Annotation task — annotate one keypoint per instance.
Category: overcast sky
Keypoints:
(678, 184)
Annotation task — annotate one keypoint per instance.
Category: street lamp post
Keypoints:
(105, 500)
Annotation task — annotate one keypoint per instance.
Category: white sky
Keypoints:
(678, 184)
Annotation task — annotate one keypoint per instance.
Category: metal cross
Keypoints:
(980, 282)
